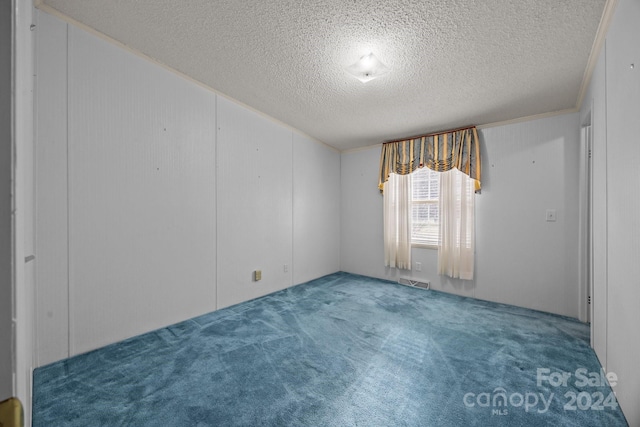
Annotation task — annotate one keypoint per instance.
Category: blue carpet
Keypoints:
(342, 350)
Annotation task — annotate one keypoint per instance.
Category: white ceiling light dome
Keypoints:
(367, 68)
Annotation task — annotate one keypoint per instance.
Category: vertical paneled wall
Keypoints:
(613, 101)
(623, 204)
(255, 198)
(6, 280)
(126, 208)
(141, 207)
(52, 275)
(24, 201)
(361, 238)
(157, 199)
(316, 209)
(521, 258)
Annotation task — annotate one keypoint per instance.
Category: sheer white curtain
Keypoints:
(397, 221)
(457, 237)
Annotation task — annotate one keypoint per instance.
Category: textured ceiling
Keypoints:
(453, 62)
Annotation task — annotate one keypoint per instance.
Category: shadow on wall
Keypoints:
(486, 162)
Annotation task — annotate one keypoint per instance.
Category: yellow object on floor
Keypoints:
(11, 414)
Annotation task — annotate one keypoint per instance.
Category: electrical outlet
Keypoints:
(551, 215)
(257, 275)
(286, 268)
(418, 266)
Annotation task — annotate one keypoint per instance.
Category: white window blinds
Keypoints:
(425, 212)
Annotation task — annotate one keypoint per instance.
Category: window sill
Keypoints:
(423, 246)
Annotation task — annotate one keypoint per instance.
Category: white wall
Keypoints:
(613, 100)
(16, 203)
(521, 258)
(24, 222)
(142, 213)
(316, 209)
(6, 280)
(52, 273)
(623, 205)
(255, 193)
(161, 197)
(361, 247)
(281, 214)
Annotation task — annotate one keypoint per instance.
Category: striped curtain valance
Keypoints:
(440, 152)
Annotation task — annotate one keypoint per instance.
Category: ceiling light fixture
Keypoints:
(367, 68)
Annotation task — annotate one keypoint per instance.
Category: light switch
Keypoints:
(257, 275)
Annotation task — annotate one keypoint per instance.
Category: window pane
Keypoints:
(426, 188)
(425, 212)
(426, 184)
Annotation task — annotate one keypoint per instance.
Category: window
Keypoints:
(425, 216)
